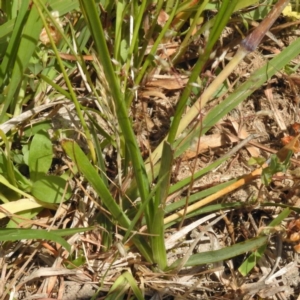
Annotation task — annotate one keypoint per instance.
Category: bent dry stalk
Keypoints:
(253, 39)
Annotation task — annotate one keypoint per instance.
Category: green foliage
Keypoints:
(223, 254)
(124, 55)
(54, 235)
(275, 166)
(51, 189)
(77, 262)
(251, 261)
(256, 161)
(40, 155)
(121, 286)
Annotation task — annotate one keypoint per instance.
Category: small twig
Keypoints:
(19, 273)
(3, 265)
(229, 226)
(14, 122)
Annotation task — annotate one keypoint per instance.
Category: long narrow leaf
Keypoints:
(251, 261)
(90, 173)
(157, 240)
(240, 94)
(11, 51)
(20, 234)
(223, 16)
(92, 18)
(223, 254)
(26, 48)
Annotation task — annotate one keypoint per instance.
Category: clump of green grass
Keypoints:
(109, 40)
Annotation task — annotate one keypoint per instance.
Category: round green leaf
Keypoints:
(51, 189)
(40, 155)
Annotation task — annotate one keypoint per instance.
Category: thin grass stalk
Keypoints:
(137, 19)
(55, 86)
(149, 34)
(140, 212)
(12, 48)
(120, 8)
(28, 39)
(247, 45)
(89, 172)
(150, 56)
(10, 168)
(69, 85)
(221, 20)
(186, 41)
(93, 21)
(157, 229)
(186, 181)
(209, 92)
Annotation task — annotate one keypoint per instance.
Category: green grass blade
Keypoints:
(131, 281)
(138, 214)
(27, 46)
(251, 261)
(157, 229)
(121, 286)
(40, 155)
(241, 93)
(52, 235)
(100, 160)
(66, 78)
(92, 176)
(119, 289)
(222, 18)
(8, 163)
(21, 234)
(120, 11)
(197, 196)
(255, 81)
(90, 173)
(223, 254)
(11, 51)
(149, 34)
(55, 86)
(209, 209)
(150, 56)
(63, 7)
(90, 11)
